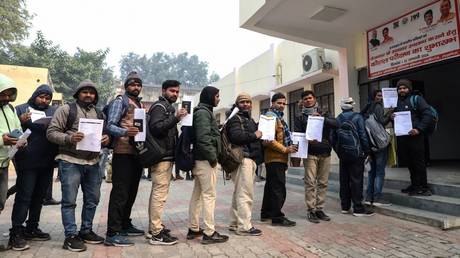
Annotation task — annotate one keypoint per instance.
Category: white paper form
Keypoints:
(92, 129)
(314, 130)
(187, 104)
(140, 123)
(299, 138)
(403, 123)
(234, 111)
(36, 114)
(390, 97)
(267, 125)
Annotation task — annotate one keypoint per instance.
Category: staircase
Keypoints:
(442, 209)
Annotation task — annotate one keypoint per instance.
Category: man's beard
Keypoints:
(134, 93)
(170, 99)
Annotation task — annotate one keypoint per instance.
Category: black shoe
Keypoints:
(17, 241)
(131, 230)
(264, 218)
(421, 192)
(363, 213)
(51, 202)
(407, 189)
(74, 244)
(194, 234)
(214, 238)
(36, 235)
(150, 234)
(91, 238)
(322, 216)
(311, 216)
(163, 238)
(251, 232)
(284, 222)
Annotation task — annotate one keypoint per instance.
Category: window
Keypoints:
(324, 92)
(293, 106)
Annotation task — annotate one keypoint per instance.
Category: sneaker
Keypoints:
(284, 222)
(149, 234)
(251, 232)
(346, 211)
(364, 213)
(265, 219)
(421, 192)
(163, 238)
(117, 240)
(178, 177)
(51, 202)
(214, 238)
(194, 234)
(311, 216)
(17, 241)
(368, 201)
(407, 189)
(74, 244)
(382, 203)
(232, 228)
(132, 231)
(36, 235)
(91, 238)
(322, 216)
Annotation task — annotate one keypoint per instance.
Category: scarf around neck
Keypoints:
(287, 133)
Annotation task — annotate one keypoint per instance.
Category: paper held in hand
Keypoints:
(140, 123)
(187, 103)
(314, 130)
(403, 123)
(92, 130)
(390, 97)
(36, 114)
(300, 140)
(267, 125)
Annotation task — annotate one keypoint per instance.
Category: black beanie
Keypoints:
(404, 82)
(131, 78)
(207, 95)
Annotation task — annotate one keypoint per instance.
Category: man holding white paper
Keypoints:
(77, 167)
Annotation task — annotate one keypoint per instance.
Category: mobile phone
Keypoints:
(16, 133)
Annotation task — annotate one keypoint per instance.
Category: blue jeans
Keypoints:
(72, 176)
(376, 175)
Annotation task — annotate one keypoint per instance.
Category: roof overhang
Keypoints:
(311, 78)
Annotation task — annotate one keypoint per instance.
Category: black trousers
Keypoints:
(412, 151)
(126, 173)
(31, 185)
(274, 191)
(351, 184)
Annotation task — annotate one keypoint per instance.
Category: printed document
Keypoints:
(187, 104)
(267, 125)
(140, 123)
(314, 130)
(403, 123)
(92, 129)
(36, 114)
(300, 140)
(390, 97)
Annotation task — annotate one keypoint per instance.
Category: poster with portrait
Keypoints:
(426, 35)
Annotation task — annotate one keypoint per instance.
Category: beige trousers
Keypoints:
(317, 170)
(243, 195)
(161, 177)
(203, 196)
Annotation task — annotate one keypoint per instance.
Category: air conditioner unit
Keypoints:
(313, 60)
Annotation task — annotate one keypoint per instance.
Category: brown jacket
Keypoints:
(122, 145)
(275, 151)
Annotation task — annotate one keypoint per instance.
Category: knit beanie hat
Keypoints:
(86, 84)
(404, 82)
(243, 96)
(131, 78)
(347, 103)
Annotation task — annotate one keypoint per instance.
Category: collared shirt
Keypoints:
(114, 116)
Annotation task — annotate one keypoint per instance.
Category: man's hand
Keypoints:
(313, 141)
(258, 134)
(9, 140)
(25, 117)
(105, 140)
(132, 131)
(315, 114)
(414, 132)
(76, 137)
(291, 149)
(213, 163)
(181, 113)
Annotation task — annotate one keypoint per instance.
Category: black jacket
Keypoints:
(421, 117)
(377, 109)
(163, 126)
(241, 131)
(318, 148)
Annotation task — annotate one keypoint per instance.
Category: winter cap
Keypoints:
(132, 78)
(404, 82)
(207, 95)
(7, 83)
(347, 103)
(86, 84)
(243, 96)
(42, 89)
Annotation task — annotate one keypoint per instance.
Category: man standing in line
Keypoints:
(318, 163)
(126, 168)
(205, 150)
(276, 160)
(163, 127)
(77, 167)
(34, 170)
(242, 131)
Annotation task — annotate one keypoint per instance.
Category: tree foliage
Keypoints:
(189, 70)
(14, 22)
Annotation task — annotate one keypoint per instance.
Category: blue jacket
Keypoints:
(358, 120)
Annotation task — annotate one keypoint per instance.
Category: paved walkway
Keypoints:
(344, 236)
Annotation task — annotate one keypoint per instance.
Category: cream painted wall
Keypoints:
(360, 46)
(288, 54)
(256, 76)
(227, 90)
(248, 8)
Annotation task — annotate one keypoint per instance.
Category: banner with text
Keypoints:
(426, 35)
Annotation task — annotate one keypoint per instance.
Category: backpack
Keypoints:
(377, 134)
(230, 156)
(347, 143)
(73, 115)
(184, 159)
(433, 126)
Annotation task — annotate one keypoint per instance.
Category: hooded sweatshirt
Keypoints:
(8, 119)
(39, 152)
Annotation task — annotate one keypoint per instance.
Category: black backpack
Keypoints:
(184, 149)
(230, 156)
(347, 144)
(433, 126)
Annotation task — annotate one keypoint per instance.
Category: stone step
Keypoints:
(434, 219)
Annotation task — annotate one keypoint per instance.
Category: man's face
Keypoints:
(385, 33)
(245, 105)
(428, 19)
(134, 89)
(171, 94)
(279, 104)
(216, 99)
(309, 101)
(403, 91)
(6, 96)
(87, 95)
(43, 100)
(445, 8)
(378, 97)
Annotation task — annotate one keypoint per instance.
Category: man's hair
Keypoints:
(306, 93)
(375, 92)
(170, 83)
(278, 96)
(428, 12)
(385, 29)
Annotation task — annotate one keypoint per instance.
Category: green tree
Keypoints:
(189, 70)
(14, 22)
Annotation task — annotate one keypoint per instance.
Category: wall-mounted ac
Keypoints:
(314, 60)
